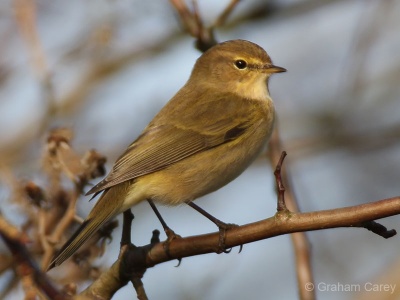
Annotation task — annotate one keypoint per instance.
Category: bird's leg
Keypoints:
(171, 235)
(168, 231)
(223, 227)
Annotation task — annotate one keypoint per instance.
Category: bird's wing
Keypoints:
(162, 145)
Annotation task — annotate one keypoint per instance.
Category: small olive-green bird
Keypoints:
(202, 139)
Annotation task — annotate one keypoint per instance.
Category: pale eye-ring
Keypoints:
(241, 64)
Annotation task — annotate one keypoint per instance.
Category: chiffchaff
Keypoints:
(202, 139)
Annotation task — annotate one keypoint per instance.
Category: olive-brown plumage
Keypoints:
(203, 138)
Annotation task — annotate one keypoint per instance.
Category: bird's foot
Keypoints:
(223, 228)
(171, 235)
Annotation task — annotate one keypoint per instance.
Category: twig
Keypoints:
(136, 273)
(138, 285)
(11, 232)
(194, 25)
(279, 184)
(300, 242)
(126, 227)
(61, 227)
(378, 229)
(27, 269)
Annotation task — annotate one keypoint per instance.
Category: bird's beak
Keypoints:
(273, 69)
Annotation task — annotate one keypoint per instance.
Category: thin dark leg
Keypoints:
(213, 219)
(168, 231)
(160, 218)
(223, 227)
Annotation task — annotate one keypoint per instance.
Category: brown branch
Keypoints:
(284, 222)
(25, 267)
(106, 285)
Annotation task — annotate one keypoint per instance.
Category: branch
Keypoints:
(25, 267)
(283, 222)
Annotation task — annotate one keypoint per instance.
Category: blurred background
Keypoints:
(104, 68)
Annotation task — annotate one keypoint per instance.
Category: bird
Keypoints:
(202, 139)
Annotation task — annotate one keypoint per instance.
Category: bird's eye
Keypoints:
(241, 64)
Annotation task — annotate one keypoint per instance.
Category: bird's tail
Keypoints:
(100, 214)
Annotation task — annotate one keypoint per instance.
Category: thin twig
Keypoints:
(300, 242)
(279, 184)
(126, 227)
(135, 274)
(138, 285)
(194, 25)
(378, 229)
(64, 223)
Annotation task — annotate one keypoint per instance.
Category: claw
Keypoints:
(179, 262)
(223, 227)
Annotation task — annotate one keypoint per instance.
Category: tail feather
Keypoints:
(108, 206)
(84, 232)
(100, 214)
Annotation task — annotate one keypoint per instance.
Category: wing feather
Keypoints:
(162, 145)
